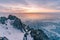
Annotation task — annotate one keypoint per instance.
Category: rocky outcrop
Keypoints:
(3, 38)
(11, 17)
(2, 20)
(17, 23)
(38, 35)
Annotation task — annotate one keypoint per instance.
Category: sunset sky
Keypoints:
(29, 6)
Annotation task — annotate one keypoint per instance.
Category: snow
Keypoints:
(29, 37)
(15, 34)
(11, 33)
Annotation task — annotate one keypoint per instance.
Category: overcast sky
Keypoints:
(18, 6)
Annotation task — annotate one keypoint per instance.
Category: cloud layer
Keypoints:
(18, 6)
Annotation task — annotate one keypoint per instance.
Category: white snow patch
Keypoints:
(11, 33)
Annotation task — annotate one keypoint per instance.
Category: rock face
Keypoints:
(2, 20)
(17, 23)
(3, 38)
(39, 35)
(36, 34)
(11, 17)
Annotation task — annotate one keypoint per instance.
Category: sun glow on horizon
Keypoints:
(29, 16)
(37, 10)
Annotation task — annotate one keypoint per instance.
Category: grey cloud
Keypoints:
(53, 4)
(12, 1)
